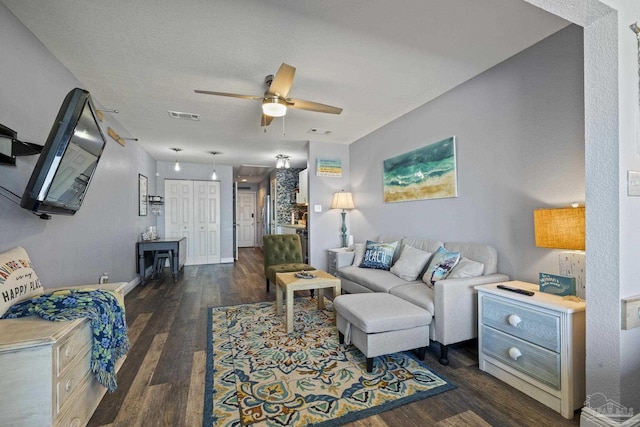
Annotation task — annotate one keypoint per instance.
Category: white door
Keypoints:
(193, 211)
(246, 219)
(178, 196)
(206, 222)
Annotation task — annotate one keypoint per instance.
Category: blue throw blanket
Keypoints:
(108, 324)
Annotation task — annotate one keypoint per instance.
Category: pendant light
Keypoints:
(176, 167)
(283, 161)
(214, 175)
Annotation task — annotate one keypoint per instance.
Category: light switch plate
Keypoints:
(317, 208)
(631, 312)
(633, 183)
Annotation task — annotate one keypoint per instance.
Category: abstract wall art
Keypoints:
(426, 173)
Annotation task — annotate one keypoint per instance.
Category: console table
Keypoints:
(178, 246)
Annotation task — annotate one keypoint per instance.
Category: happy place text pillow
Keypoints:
(18, 280)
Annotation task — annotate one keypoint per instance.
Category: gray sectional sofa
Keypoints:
(452, 302)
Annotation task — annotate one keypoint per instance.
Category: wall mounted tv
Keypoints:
(68, 160)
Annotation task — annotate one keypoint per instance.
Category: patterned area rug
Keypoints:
(259, 375)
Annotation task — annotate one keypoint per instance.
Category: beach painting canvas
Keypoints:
(426, 173)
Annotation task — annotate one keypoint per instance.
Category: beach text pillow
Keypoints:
(378, 255)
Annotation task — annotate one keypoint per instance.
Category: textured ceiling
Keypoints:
(375, 59)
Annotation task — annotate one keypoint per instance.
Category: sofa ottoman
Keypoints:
(381, 323)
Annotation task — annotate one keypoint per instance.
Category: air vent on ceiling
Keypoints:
(316, 131)
(184, 116)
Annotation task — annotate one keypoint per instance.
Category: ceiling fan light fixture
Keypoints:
(274, 107)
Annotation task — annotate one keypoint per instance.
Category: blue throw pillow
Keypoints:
(441, 264)
(378, 255)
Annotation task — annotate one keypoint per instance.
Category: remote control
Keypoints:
(516, 290)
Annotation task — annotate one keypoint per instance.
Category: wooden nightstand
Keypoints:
(534, 343)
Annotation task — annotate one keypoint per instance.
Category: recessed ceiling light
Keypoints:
(316, 131)
(184, 116)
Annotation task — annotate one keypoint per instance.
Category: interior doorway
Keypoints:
(246, 218)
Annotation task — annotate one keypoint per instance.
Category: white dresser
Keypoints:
(45, 377)
(534, 343)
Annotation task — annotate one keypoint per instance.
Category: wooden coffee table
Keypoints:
(288, 283)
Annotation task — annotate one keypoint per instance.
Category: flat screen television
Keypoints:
(68, 160)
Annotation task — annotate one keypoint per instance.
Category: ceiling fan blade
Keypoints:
(301, 104)
(232, 95)
(265, 120)
(282, 81)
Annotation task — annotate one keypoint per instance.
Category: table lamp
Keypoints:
(343, 200)
(564, 228)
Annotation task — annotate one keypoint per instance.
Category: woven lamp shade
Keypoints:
(562, 228)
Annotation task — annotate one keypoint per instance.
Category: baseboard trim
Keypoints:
(591, 418)
(131, 285)
(227, 260)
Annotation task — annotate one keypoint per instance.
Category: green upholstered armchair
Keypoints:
(282, 254)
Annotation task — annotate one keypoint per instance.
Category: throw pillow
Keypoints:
(410, 263)
(378, 255)
(18, 280)
(466, 268)
(440, 265)
(358, 254)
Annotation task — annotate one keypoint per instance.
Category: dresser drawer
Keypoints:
(73, 346)
(73, 378)
(531, 325)
(532, 360)
(79, 410)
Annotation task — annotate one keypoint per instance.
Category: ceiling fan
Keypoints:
(275, 101)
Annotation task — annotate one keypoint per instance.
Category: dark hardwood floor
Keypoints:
(162, 380)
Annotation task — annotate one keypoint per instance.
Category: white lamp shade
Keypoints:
(342, 200)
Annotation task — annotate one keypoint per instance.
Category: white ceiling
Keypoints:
(376, 59)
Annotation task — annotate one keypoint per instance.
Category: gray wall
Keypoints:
(325, 226)
(519, 131)
(195, 171)
(101, 237)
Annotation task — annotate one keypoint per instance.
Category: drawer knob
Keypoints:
(69, 350)
(514, 353)
(69, 385)
(514, 320)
